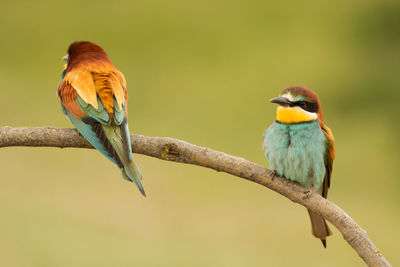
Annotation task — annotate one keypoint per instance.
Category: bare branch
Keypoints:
(179, 151)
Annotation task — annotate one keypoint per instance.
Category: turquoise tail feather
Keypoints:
(87, 131)
(132, 174)
(129, 170)
(113, 142)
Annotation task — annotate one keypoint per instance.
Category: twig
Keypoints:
(179, 151)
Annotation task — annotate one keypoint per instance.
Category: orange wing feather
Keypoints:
(98, 79)
(82, 81)
(126, 101)
(68, 96)
(118, 86)
(329, 157)
(104, 91)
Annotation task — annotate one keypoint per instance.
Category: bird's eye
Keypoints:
(303, 104)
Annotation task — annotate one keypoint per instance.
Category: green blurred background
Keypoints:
(201, 71)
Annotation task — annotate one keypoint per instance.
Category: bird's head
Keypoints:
(84, 52)
(297, 104)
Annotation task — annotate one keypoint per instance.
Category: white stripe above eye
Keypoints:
(288, 95)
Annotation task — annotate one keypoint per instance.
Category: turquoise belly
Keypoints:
(296, 151)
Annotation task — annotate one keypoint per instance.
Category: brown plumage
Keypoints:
(94, 97)
(319, 228)
(91, 73)
(68, 95)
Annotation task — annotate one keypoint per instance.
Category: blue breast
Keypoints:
(296, 151)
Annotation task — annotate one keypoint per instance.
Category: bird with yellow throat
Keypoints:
(300, 147)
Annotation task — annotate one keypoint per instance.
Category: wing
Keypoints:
(97, 90)
(82, 82)
(328, 158)
(112, 92)
(98, 80)
(77, 91)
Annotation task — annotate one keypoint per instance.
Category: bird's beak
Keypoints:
(282, 101)
(65, 58)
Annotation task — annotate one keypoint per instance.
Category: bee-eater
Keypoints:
(299, 146)
(94, 97)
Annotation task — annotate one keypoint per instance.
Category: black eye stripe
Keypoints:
(308, 106)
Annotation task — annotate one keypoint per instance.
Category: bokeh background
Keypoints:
(201, 71)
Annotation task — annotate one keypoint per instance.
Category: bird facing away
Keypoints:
(94, 97)
(300, 147)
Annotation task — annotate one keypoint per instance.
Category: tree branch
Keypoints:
(179, 151)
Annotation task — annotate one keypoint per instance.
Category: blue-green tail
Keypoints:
(120, 141)
(113, 141)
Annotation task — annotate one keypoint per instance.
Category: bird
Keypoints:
(300, 147)
(94, 97)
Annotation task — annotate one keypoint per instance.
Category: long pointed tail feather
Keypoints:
(319, 228)
(130, 176)
(130, 170)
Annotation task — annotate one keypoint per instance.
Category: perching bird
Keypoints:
(300, 147)
(94, 97)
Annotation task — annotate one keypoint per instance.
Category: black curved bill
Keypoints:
(280, 100)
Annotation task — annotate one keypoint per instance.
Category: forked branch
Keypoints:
(179, 151)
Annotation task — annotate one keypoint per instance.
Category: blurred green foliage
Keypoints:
(201, 71)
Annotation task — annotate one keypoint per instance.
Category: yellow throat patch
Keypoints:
(294, 115)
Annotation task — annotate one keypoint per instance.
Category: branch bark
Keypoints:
(171, 149)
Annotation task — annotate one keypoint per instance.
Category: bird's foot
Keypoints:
(307, 193)
(273, 174)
